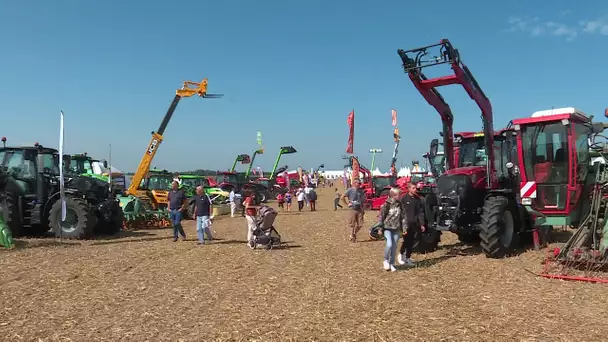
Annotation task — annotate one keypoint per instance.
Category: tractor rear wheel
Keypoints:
(497, 232)
(10, 212)
(78, 222)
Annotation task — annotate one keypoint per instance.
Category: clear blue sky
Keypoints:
(293, 69)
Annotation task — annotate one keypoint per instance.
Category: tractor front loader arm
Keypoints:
(413, 62)
(260, 151)
(284, 150)
(199, 89)
(243, 158)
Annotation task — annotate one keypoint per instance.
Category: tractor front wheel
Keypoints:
(78, 222)
(497, 232)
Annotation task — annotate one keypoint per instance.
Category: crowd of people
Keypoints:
(401, 216)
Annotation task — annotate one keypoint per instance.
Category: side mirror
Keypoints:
(105, 164)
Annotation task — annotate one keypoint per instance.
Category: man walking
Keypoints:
(312, 199)
(177, 204)
(414, 223)
(232, 203)
(354, 198)
(202, 214)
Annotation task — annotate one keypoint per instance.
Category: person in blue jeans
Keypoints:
(391, 219)
(202, 214)
(177, 204)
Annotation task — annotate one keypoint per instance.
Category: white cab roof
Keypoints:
(558, 111)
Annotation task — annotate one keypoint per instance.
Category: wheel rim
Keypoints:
(71, 221)
(506, 229)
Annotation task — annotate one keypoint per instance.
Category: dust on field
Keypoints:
(319, 287)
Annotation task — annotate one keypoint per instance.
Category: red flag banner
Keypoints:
(356, 170)
(351, 132)
(394, 115)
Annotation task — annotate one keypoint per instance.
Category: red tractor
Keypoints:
(476, 190)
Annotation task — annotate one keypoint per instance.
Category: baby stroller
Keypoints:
(265, 234)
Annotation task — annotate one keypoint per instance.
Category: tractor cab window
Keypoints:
(50, 163)
(81, 166)
(156, 182)
(472, 153)
(382, 182)
(545, 149)
(229, 178)
(581, 133)
(20, 165)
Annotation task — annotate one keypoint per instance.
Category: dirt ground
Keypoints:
(141, 286)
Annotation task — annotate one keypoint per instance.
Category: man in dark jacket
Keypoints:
(414, 223)
(177, 204)
(202, 214)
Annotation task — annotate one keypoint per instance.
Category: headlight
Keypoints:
(526, 201)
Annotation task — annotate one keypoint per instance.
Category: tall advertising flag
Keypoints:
(61, 166)
(259, 138)
(351, 132)
(394, 115)
(356, 170)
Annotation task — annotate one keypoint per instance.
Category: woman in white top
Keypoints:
(300, 195)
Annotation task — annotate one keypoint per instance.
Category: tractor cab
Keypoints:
(81, 164)
(157, 180)
(227, 180)
(554, 150)
(23, 165)
(192, 181)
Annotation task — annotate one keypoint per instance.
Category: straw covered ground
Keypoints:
(142, 286)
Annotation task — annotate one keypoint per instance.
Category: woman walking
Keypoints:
(300, 195)
(391, 219)
(288, 201)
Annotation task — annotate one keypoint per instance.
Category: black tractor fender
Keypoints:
(55, 197)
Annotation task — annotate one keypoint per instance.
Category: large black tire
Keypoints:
(115, 226)
(428, 241)
(264, 196)
(79, 212)
(10, 213)
(498, 228)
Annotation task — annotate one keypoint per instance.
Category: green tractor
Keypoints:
(6, 236)
(189, 183)
(87, 166)
(31, 201)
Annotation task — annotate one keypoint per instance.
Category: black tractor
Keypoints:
(31, 202)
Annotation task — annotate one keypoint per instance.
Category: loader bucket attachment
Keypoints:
(288, 150)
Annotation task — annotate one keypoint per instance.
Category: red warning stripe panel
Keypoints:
(528, 189)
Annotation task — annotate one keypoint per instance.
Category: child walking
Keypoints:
(337, 200)
(281, 201)
(288, 201)
(391, 219)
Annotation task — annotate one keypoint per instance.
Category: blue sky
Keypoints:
(293, 69)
